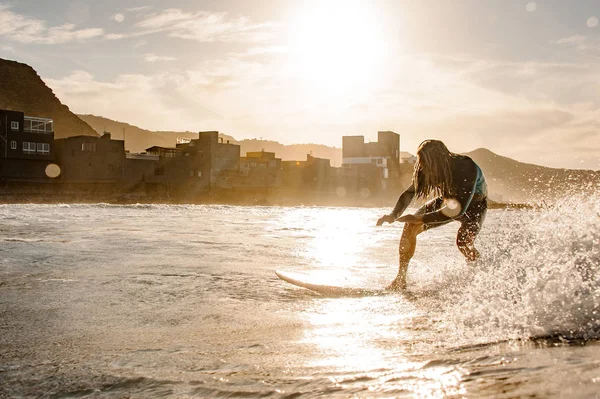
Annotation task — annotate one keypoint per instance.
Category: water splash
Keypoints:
(540, 276)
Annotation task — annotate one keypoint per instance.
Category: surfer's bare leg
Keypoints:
(406, 249)
(465, 240)
(469, 229)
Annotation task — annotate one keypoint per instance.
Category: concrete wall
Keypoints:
(86, 158)
(353, 146)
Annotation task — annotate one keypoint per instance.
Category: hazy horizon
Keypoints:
(520, 78)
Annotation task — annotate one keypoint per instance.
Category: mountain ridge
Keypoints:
(511, 180)
(22, 89)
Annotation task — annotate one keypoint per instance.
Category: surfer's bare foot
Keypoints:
(397, 285)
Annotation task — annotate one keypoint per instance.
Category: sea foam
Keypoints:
(539, 276)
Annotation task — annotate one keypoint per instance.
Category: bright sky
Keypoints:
(521, 78)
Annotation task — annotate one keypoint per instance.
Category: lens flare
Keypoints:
(451, 207)
(365, 192)
(52, 170)
(341, 191)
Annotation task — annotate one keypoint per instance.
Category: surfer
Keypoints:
(460, 189)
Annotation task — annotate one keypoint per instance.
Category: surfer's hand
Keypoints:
(414, 219)
(385, 218)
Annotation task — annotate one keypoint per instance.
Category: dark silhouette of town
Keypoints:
(204, 169)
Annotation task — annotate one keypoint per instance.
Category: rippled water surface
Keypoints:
(182, 301)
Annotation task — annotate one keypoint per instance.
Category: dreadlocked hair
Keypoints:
(433, 170)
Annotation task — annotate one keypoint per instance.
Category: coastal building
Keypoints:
(383, 153)
(26, 147)
(407, 158)
(209, 160)
(260, 169)
(139, 171)
(314, 174)
(88, 159)
(222, 158)
(167, 163)
(374, 165)
(192, 167)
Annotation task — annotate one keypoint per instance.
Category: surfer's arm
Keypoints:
(465, 192)
(405, 199)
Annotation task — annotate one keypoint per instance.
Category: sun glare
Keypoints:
(336, 49)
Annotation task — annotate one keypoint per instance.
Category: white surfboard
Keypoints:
(332, 290)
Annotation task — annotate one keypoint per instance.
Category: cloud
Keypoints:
(575, 40)
(203, 26)
(586, 45)
(24, 29)
(566, 84)
(156, 102)
(137, 9)
(150, 57)
(114, 36)
(262, 50)
(533, 111)
(592, 22)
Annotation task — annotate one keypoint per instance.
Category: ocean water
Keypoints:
(106, 301)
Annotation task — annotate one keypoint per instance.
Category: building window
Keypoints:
(88, 147)
(13, 145)
(14, 125)
(43, 148)
(28, 148)
(199, 174)
(191, 173)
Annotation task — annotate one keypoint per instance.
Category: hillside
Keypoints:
(21, 89)
(510, 180)
(137, 140)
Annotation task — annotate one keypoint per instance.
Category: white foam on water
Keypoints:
(539, 276)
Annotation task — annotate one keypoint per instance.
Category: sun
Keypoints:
(336, 48)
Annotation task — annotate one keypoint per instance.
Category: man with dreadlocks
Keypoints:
(460, 189)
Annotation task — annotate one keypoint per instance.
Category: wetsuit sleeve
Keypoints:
(465, 184)
(405, 199)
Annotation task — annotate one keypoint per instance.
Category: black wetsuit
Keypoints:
(470, 206)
